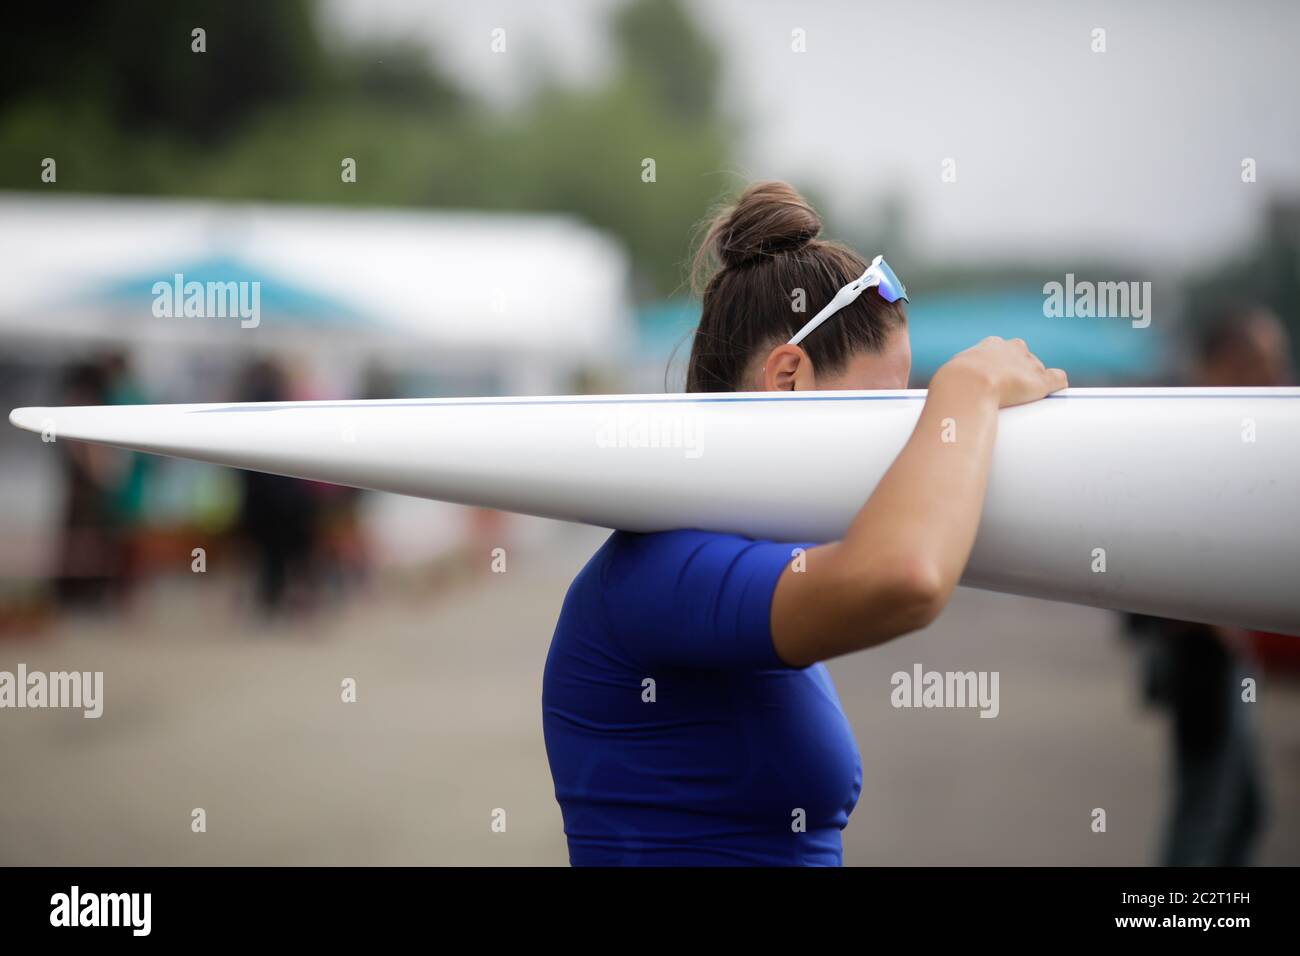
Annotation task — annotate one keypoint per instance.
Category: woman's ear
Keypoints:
(787, 368)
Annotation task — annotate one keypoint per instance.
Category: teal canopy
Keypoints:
(1093, 350)
(280, 301)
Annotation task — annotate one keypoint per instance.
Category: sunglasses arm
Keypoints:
(845, 297)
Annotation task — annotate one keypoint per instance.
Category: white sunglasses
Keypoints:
(878, 276)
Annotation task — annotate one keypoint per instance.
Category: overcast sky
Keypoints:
(1058, 150)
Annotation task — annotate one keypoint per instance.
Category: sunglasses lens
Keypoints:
(890, 288)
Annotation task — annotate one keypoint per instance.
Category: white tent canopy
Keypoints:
(530, 284)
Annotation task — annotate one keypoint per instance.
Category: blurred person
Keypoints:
(88, 553)
(746, 731)
(344, 545)
(278, 517)
(127, 496)
(1243, 346)
(1194, 671)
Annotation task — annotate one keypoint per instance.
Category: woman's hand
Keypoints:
(896, 566)
(1006, 367)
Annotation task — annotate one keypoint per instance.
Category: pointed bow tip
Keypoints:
(28, 419)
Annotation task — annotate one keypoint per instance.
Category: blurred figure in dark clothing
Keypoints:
(1217, 809)
(278, 517)
(1195, 671)
(127, 497)
(89, 543)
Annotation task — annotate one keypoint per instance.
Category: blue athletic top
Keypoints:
(675, 734)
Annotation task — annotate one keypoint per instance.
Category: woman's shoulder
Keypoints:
(636, 553)
(687, 598)
(679, 542)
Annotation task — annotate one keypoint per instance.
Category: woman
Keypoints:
(688, 716)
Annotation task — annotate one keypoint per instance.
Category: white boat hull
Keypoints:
(1179, 502)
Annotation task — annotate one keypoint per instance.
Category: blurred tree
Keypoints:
(270, 111)
(664, 53)
(399, 75)
(134, 61)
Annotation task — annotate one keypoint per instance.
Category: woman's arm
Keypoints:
(895, 568)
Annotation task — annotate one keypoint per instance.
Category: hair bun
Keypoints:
(768, 217)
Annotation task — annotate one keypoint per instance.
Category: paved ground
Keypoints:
(247, 723)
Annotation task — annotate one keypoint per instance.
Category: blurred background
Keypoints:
(501, 236)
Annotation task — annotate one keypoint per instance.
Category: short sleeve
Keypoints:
(695, 599)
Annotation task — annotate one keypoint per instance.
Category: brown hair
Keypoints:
(755, 256)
